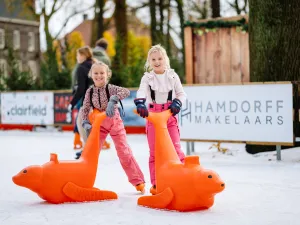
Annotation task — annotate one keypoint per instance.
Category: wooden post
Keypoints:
(188, 45)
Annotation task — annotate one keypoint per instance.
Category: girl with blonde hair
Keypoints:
(82, 82)
(105, 97)
(161, 89)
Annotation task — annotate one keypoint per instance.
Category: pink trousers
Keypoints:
(174, 134)
(115, 127)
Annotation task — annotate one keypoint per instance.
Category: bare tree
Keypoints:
(161, 14)
(198, 9)
(152, 8)
(240, 6)
(41, 12)
(274, 30)
(180, 7)
(168, 36)
(99, 17)
(52, 75)
(101, 24)
(274, 40)
(215, 8)
(120, 17)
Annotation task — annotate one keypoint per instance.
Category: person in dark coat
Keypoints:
(81, 83)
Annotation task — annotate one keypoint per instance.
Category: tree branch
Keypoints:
(173, 29)
(245, 6)
(44, 5)
(235, 6)
(106, 24)
(44, 9)
(145, 4)
(67, 20)
(54, 8)
(32, 9)
(199, 9)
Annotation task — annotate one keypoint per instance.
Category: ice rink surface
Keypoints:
(259, 190)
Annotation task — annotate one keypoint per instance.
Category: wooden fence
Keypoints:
(216, 56)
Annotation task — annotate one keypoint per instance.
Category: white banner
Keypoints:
(256, 113)
(34, 108)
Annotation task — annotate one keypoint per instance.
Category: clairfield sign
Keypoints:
(254, 113)
(27, 108)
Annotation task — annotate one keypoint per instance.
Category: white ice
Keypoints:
(259, 189)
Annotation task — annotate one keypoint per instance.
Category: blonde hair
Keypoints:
(100, 63)
(157, 48)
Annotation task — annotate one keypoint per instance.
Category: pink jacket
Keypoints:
(161, 91)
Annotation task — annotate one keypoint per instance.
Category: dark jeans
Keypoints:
(77, 106)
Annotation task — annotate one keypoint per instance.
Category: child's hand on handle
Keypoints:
(87, 127)
(141, 107)
(110, 110)
(175, 106)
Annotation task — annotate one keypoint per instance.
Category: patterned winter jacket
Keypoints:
(99, 98)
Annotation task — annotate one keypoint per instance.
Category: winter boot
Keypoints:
(78, 154)
(77, 141)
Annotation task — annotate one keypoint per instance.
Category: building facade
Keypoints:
(23, 37)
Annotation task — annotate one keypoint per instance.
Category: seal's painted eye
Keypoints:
(24, 171)
(209, 176)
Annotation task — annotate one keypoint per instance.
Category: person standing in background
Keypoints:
(99, 51)
(82, 83)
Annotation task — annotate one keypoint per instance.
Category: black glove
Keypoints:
(141, 107)
(175, 106)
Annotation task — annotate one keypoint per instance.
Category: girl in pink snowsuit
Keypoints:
(105, 97)
(162, 90)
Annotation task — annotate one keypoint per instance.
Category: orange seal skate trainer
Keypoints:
(105, 145)
(68, 181)
(179, 186)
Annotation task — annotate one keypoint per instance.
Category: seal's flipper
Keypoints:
(80, 194)
(158, 201)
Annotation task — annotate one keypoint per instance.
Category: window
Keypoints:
(16, 39)
(3, 68)
(2, 38)
(31, 42)
(33, 67)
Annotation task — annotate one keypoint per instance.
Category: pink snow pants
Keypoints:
(115, 127)
(174, 134)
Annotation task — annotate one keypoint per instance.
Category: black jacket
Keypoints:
(82, 81)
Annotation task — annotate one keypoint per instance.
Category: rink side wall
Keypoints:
(264, 113)
(26, 110)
